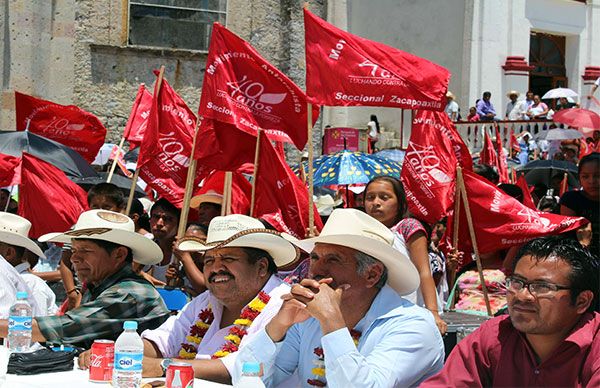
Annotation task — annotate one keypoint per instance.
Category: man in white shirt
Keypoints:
(14, 241)
(515, 110)
(451, 107)
(594, 87)
(11, 283)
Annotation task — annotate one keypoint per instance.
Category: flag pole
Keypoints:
(473, 240)
(228, 183)
(311, 188)
(455, 226)
(114, 163)
(255, 172)
(137, 167)
(189, 186)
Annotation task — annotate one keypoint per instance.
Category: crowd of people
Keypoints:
(360, 304)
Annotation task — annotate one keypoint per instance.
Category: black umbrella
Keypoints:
(122, 182)
(542, 171)
(15, 142)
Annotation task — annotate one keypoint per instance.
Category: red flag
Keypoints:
(502, 164)
(281, 197)
(10, 170)
(48, 198)
(346, 70)
(501, 221)
(167, 145)
(527, 198)
(66, 124)
(488, 154)
(514, 143)
(429, 168)
(212, 189)
(243, 89)
(138, 118)
(120, 160)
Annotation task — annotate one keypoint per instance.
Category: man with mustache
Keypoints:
(551, 336)
(347, 325)
(240, 260)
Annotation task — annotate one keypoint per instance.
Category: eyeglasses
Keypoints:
(535, 288)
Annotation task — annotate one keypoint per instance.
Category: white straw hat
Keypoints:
(14, 230)
(357, 230)
(113, 227)
(240, 231)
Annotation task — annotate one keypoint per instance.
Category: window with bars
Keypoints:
(179, 24)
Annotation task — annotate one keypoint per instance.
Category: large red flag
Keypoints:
(48, 198)
(10, 170)
(165, 151)
(343, 69)
(502, 164)
(281, 197)
(527, 198)
(66, 124)
(429, 169)
(243, 89)
(487, 155)
(138, 118)
(501, 221)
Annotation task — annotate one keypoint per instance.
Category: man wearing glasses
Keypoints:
(551, 336)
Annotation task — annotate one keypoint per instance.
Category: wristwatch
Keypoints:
(164, 364)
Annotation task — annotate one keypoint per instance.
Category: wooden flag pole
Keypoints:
(189, 186)
(114, 163)
(137, 168)
(225, 190)
(474, 241)
(455, 228)
(228, 183)
(255, 173)
(311, 180)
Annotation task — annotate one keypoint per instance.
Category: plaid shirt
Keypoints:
(120, 297)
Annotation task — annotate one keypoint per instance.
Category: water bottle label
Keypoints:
(128, 362)
(19, 323)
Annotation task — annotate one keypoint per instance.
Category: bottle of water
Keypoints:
(129, 352)
(19, 324)
(251, 372)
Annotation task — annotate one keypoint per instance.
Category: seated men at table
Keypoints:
(346, 325)
(551, 336)
(14, 242)
(240, 260)
(104, 244)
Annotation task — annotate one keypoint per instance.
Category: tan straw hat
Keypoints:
(355, 229)
(112, 227)
(14, 230)
(513, 92)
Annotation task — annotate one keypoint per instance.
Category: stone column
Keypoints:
(516, 74)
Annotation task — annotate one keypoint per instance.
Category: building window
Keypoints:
(180, 24)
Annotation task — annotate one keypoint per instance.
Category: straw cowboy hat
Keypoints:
(513, 92)
(14, 230)
(325, 204)
(240, 231)
(112, 227)
(449, 94)
(355, 229)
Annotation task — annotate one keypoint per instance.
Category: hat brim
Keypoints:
(402, 274)
(21, 241)
(145, 251)
(199, 199)
(282, 251)
(512, 93)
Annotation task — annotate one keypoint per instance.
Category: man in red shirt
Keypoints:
(551, 336)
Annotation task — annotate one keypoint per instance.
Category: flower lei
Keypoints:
(319, 369)
(249, 313)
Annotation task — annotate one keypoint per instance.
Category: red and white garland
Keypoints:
(319, 369)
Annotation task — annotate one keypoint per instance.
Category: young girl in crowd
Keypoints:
(386, 202)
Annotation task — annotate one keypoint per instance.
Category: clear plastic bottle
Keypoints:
(251, 372)
(129, 352)
(19, 324)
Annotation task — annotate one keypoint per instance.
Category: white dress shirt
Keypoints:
(43, 295)
(11, 283)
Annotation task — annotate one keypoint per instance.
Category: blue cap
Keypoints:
(251, 368)
(21, 295)
(130, 325)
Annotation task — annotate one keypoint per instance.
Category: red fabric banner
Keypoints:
(429, 169)
(47, 198)
(66, 124)
(243, 89)
(281, 197)
(487, 155)
(501, 221)
(138, 118)
(527, 198)
(10, 170)
(165, 151)
(241, 190)
(501, 162)
(343, 69)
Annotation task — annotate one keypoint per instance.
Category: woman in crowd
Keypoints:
(538, 109)
(385, 201)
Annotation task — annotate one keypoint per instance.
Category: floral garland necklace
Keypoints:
(319, 369)
(189, 349)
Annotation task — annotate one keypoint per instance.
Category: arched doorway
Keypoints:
(547, 55)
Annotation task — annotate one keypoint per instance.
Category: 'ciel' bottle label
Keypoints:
(19, 323)
(131, 362)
